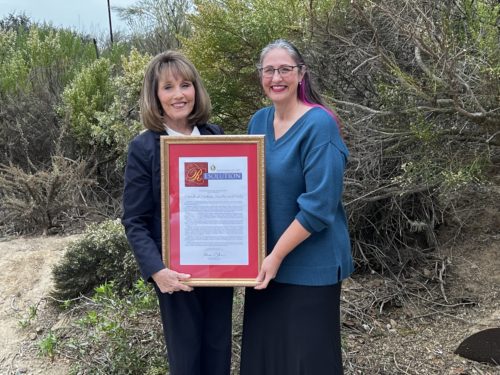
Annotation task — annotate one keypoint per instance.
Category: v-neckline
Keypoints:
(289, 131)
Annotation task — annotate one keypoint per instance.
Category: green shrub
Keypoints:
(90, 92)
(119, 123)
(225, 45)
(101, 255)
(13, 68)
(41, 59)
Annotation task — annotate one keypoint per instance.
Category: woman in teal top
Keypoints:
(292, 317)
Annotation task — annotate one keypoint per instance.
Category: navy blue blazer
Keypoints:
(142, 201)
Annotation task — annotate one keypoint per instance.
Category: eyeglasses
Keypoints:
(283, 71)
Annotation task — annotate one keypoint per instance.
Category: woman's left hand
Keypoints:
(268, 271)
(169, 281)
(291, 237)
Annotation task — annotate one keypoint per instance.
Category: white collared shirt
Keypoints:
(195, 131)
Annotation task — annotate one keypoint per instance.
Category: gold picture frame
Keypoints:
(213, 207)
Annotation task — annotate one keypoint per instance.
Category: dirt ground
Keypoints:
(25, 281)
(414, 338)
(421, 337)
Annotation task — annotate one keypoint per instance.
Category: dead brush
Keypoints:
(45, 199)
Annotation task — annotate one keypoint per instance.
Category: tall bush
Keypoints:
(225, 45)
(101, 106)
(414, 81)
(13, 67)
(36, 62)
(47, 57)
(421, 115)
(156, 25)
(119, 123)
(89, 93)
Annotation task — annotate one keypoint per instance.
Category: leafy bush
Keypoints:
(41, 58)
(156, 26)
(89, 93)
(36, 62)
(101, 255)
(101, 105)
(120, 122)
(225, 46)
(13, 68)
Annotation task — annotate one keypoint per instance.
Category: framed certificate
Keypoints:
(213, 208)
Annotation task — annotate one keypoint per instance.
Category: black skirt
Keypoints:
(292, 330)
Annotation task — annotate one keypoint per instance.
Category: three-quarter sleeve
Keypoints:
(323, 174)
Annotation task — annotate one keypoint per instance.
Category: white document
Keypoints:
(213, 205)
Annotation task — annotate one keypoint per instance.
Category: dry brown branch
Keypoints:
(38, 201)
(454, 68)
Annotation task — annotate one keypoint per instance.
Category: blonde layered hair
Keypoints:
(175, 64)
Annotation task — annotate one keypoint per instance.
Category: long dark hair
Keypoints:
(307, 92)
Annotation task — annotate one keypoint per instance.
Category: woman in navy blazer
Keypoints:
(196, 322)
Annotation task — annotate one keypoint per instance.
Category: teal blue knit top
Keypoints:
(304, 181)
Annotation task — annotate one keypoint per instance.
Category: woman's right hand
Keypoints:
(169, 281)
